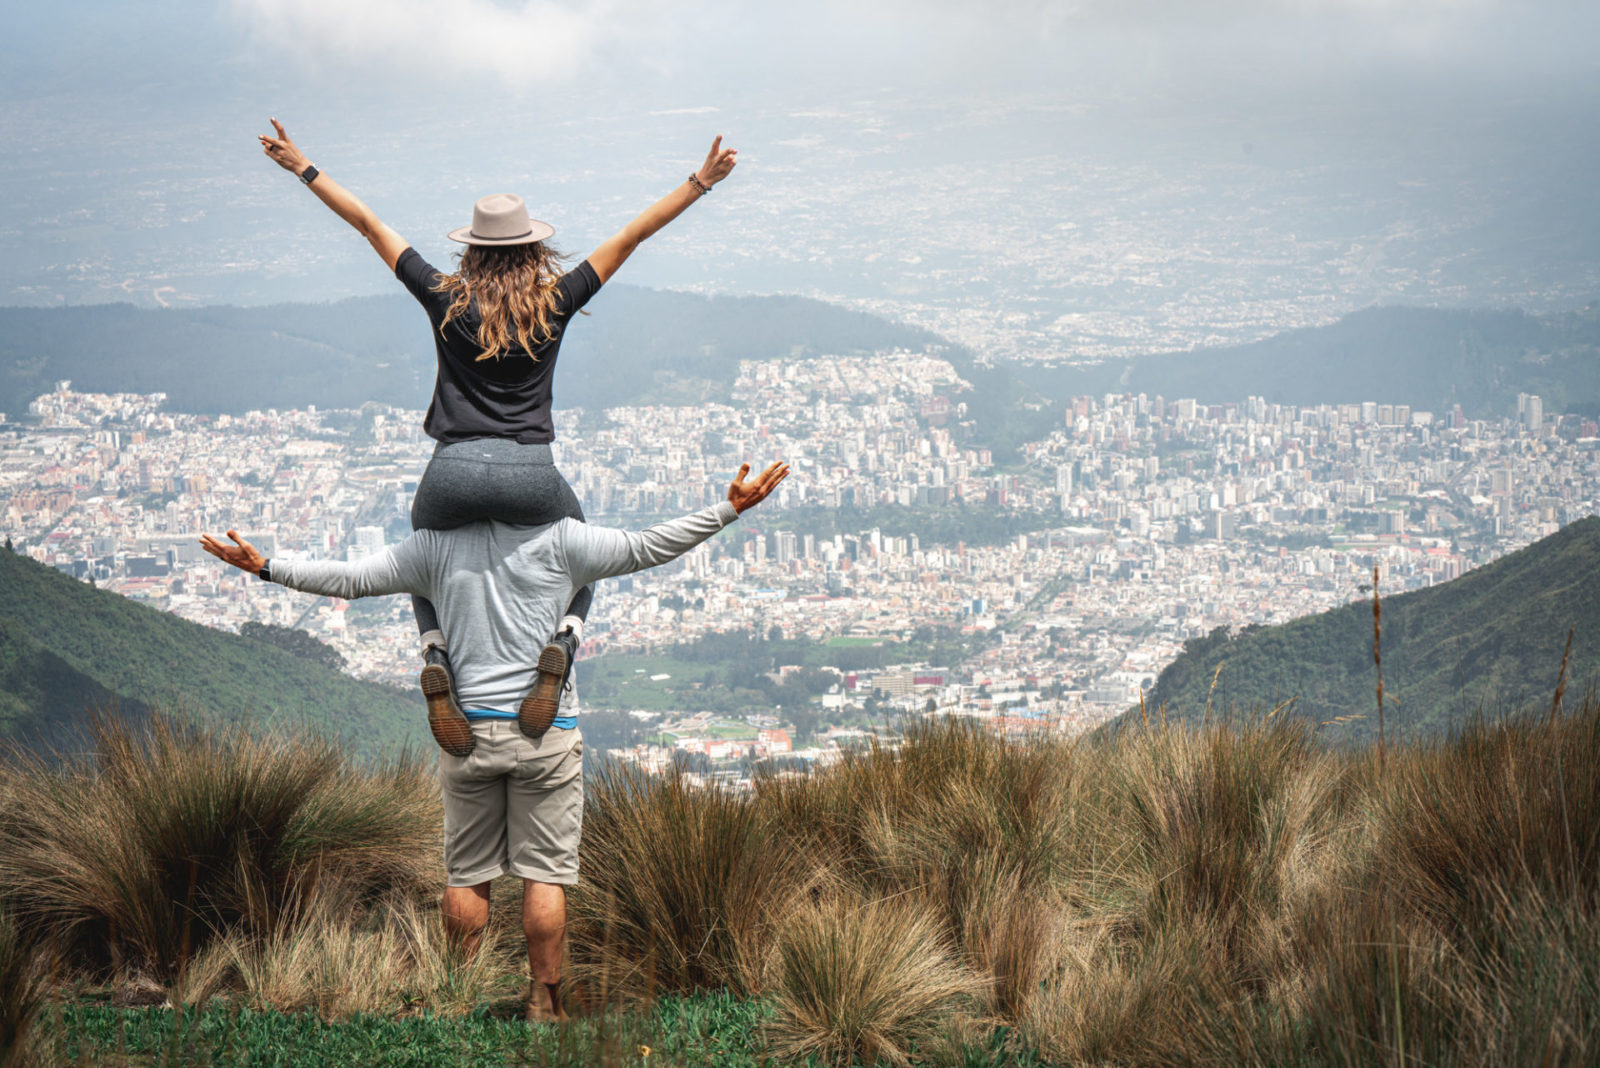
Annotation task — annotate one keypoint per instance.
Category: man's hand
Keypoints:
(718, 165)
(241, 554)
(282, 151)
(744, 494)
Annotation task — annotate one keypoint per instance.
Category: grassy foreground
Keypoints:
(1233, 894)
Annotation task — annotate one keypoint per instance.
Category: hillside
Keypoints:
(1490, 640)
(1429, 358)
(66, 647)
(638, 346)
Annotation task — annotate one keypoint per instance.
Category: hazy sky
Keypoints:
(719, 48)
(131, 168)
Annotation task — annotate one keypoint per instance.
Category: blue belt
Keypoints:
(564, 723)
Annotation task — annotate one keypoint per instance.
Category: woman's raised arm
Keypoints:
(619, 246)
(345, 204)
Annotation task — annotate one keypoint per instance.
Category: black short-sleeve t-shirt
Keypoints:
(503, 397)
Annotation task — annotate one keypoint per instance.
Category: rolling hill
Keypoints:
(66, 647)
(1429, 358)
(1490, 641)
(638, 346)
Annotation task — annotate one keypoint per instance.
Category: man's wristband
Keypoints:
(694, 180)
(265, 574)
(309, 175)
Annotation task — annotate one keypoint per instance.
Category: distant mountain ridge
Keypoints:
(644, 346)
(66, 647)
(1491, 640)
(1428, 358)
(639, 346)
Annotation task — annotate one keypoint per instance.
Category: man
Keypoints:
(513, 799)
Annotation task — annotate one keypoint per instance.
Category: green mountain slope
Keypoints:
(637, 346)
(1491, 640)
(1429, 358)
(66, 647)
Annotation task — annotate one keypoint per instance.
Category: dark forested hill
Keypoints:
(638, 346)
(66, 647)
(1425, 357)
(1490, 640)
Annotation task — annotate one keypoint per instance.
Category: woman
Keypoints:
(497, 328)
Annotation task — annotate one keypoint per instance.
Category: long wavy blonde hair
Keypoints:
(514, 287)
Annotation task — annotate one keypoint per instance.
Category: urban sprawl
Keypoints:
(1138, 523)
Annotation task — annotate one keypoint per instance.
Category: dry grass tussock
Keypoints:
(682, 889)
(207, 862)
(171, 836)
(867, 980)
(22, 992)
(1232, 894)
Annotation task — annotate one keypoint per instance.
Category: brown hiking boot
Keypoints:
(540, 705)
(450, 728)
(543, 1003)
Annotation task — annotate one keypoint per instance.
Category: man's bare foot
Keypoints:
(543, 1003)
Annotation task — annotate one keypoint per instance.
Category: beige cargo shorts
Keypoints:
(513, 805)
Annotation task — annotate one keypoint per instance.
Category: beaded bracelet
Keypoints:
(694, 179)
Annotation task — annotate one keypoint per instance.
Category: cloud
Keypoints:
(519, 45)
(723, 45)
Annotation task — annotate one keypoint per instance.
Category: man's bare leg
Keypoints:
(544, 924)
(466, 913)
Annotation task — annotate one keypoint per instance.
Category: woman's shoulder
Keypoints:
(577, 286)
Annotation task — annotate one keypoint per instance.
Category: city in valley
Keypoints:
(1046, 592)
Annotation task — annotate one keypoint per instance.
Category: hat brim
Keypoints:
(539, 232)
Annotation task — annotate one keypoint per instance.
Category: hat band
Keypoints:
(506, 237)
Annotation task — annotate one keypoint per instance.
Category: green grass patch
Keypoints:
(855, 643)
(703, 1029)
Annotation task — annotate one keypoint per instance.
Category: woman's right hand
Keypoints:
(718, 165)
(284, 152)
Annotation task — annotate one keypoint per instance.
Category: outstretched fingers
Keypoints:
(770, 478)
(240, 554)
(773, 475)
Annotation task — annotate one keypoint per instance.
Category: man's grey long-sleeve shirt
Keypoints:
(501, 589)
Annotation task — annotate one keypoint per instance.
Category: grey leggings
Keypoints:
(492, 478)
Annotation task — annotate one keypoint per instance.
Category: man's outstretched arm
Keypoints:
(401, 568)
(595, 553)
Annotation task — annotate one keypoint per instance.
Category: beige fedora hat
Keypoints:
(502, 219)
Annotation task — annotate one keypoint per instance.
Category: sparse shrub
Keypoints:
(872, 981)
(173, 834)
(682, 887)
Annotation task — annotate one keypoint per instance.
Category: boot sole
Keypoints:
(539, 707)
(450, 728)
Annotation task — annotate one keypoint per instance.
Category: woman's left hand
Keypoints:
(284, 152)
(718, 165)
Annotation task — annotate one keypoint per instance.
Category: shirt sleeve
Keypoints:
(577, 286)
(595, 553)
(419, 277)
(404, 568)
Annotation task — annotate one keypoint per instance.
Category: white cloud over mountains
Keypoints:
(522, 45)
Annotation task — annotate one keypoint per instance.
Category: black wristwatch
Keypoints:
(265, 574)
(309, 175)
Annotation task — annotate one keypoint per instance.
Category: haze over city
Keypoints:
(1042, 181)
